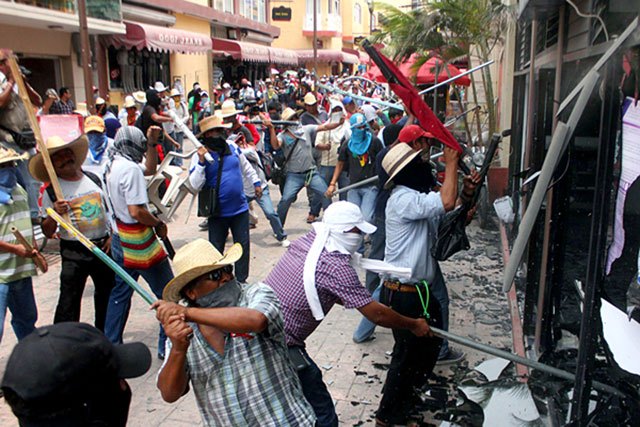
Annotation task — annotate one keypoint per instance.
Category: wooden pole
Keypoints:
(24, 95)
(85, 50)
(38, 259)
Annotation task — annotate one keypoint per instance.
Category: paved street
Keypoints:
(354, 372)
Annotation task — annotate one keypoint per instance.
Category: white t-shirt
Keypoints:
(87, 208)
(126, 186)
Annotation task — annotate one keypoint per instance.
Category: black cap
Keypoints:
(67, 359)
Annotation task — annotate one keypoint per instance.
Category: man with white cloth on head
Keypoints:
(319, 270)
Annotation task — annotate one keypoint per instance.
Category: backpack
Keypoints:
(92, 176)
(267, 164)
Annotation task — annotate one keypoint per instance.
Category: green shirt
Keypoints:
(12, 266)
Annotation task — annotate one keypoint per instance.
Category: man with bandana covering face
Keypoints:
(229, 343)
(16, 263)
(126, 192)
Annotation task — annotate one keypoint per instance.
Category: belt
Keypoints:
(400, 287)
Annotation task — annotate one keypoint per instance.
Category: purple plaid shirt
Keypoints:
(336, 281)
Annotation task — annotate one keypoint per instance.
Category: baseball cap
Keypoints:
(357, 120)
(67, 359)
(94, 124)
(347, 100)
(412, 132)
(369, 112)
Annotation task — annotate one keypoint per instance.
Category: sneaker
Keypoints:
(160, 356)
(453, 356)
(285, 243)
(204, 225)
(311, 218)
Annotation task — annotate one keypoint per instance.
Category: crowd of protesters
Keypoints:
(240, 347)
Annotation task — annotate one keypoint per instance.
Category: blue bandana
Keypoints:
(97, 146)
(360, 141)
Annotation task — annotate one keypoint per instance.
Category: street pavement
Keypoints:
(353, 372)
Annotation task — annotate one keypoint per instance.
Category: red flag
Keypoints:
(401, 86)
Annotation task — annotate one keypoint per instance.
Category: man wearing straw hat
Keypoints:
(222, 199)
(16, 263)
(84, 200)
(229, 342)
(133, 245)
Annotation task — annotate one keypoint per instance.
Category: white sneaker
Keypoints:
(285, 243)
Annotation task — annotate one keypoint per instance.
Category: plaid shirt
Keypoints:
(253, 383)
(336, 281)
(59, 107)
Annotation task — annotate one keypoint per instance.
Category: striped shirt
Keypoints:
(253, 383)
(16, 213)
(412, 220)
(336, 281)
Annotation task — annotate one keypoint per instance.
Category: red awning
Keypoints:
(161, 39)
(324, 55)
(241, 50)
(283, 56)
(349, 58)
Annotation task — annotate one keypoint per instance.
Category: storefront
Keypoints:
(142, 56)
(330, 62)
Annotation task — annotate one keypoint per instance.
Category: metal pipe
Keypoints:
(531, 98)
(275, 122)
(360, 97)
(479, 67)
(521, 360)
(371, 180)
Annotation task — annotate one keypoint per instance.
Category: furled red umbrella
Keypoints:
(374, 74)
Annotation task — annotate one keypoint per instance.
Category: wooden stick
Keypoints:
(24, 95)
(38, 259)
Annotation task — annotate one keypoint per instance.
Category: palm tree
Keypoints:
(452, 30)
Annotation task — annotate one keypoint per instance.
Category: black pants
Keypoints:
(413, 358)
(239, 225)
(77, 264)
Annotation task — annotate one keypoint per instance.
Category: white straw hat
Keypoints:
(228, 109)
(79, 146)
(195, 259)
(11, 155)
(212, 122)
(396, 159)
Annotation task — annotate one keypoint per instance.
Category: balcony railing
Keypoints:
(108, 10)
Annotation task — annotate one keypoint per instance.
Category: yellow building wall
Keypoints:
(291, 31)
(190, 68)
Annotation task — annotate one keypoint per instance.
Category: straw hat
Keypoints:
(160, 87)
(140, 97)
(228, 109)
(79, 146)
(212, 122)
(100, 101)
(195, 259)
(94, 124)
(10, 155)
(310, 99)
(81, 109)
(288, 113)
(129, 102)
(396, 159)
(175, 92)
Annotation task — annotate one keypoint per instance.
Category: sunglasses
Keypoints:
(216, 275)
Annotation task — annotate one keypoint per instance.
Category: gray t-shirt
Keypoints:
(302, 158)
(88, 213)
(126, 186)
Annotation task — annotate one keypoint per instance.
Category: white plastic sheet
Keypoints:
(623, 337)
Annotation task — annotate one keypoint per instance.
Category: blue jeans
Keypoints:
(316, 393)
(31, 186)
(326, 172)
(239, 225)
(18, 297)
(266, 205)
(293, 185)
(120, 300)
(365, 198)
(366, 327)
(179, 137)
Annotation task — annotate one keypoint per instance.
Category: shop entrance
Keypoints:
(45, 73)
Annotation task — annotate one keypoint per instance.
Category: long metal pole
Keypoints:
(435, 86)
(531, 98)
(85, 53)
(590, 321)
(521, 360)
(371, 180)
(546, 240)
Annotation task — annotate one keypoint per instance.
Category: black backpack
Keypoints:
(267, 164)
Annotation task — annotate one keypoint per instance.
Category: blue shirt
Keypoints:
(231, 193)
(383, 195)
(412, 225)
